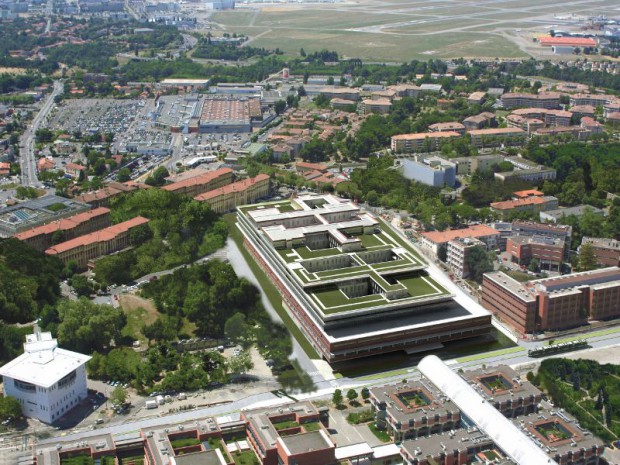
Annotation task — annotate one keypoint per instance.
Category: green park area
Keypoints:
(587, 390)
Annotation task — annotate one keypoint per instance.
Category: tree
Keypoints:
(10, 409)
(241, 363)
(85, 326)
(236, 329)
(158, 178)
(123, 175)
(587, 258)
(534, 265)
(365, 393)
(478, 262)
(337, 397)
(352, 395)
(279, 106)
(118, 396)
(81, 285)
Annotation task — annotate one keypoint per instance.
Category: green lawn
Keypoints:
(285, 424)
(313, 426)
(420, 287)
(381, 435)
(178, 443)
(370, 240)
(245, 458)
(335, 301)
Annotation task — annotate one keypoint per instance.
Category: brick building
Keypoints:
(82, 249)
(228, 197)
(549, 251)
(607, 251)
(203, 181)
(41, 237)
(553, 303)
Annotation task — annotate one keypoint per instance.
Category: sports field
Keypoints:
(402, 30)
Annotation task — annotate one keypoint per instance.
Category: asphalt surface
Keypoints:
(28, 161)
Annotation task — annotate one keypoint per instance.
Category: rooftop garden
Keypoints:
(496, 383)
(413, 399)
(553, 431)
(86, 459)
(280, 425)
(185, 442)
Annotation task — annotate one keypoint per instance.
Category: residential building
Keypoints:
(548, 100)
(606, 251)
(480, 121)
(74, 170)
(433, 240)
(309, 246)
(381, 107)
(101, 197)
(471, 165)
(424, 141)
(556, 215)
(583, 110)
(553, 303)
(42, 237)
(227, 198)
(342, 104)
(432, 171)
(594, 100)
(447, 127)
(491, 435)
(535, 204)
(539, 173)
(457, 251)
(477, 98)
(268, 429)
(46, 380)
(549, 251)
(564, 132)
(495, 137)
(202, 181)
(412, 410)
(85, 248)
(591, 125)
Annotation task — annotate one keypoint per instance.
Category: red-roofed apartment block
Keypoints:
(83, 249)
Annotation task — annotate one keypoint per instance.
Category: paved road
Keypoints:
(28, 162)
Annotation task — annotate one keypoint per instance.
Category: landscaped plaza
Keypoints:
(354, 285)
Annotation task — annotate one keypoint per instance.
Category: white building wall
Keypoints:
(49, 404)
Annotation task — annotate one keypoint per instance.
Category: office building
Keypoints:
(457, 252)
(432, 171)
(46, 380)
(353, 285)
(550, 252)
(433, 240)
(553, 303)
(606, 251)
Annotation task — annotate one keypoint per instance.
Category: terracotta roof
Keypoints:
(577, 41)
(196, 180)
(63, 224)
(510, 204)
(528, 193)
(238, 186)
(106, 234)
(75, 167)
(478, 230)
(424, 135)
(311, 166)
(496, 131)
(447, 126)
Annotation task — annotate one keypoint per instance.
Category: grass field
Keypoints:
(140, 312)
(403, 30)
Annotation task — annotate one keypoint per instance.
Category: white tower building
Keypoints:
(47, 381)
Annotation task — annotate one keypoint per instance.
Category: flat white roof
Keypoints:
(501, 430)
(28, 367)
(386, 450)
(354, 450)
(43, 363)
